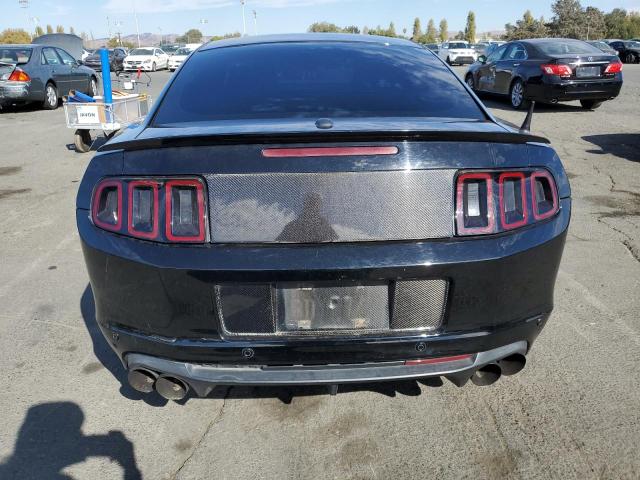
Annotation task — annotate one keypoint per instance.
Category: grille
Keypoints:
(330, 207)
(325, 309)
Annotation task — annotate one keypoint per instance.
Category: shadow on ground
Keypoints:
(109, 359)
(499, 103)
(623, 145)
(51, 439)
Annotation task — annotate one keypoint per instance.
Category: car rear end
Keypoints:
(575, 70)
(325, 228)
(461, 53)
(15, 82)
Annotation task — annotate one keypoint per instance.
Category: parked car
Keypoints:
(457, 52)
(480, 48)
(603, 46)
(492, 46)
(40, 73)
(85, 54)
(434, 47)
(170, 49)
(148, 59)
(276, 220)
(180, 56)
(548, 70)
(116, 60)
(628, 51)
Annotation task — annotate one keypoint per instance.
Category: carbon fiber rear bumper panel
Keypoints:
(331, 207)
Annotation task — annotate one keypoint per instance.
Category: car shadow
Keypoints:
(623, 145)
(51, 439)
(498, 103)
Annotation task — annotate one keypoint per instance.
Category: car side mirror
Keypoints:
(482, 59)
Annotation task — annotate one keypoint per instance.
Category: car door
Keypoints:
(487, 72)
(507, 66)
(619, 48)
(58, 71)
(78, 79)
(444, 51)
(163, 58)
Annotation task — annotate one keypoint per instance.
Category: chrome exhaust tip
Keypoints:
(141, 380)
(512, 364)
(171, 388)
(487, 375)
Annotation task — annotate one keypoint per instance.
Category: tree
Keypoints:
(391, 31)
(470, 28)
(117, 42)
(84, 36)
(594, 19)
(39, 31)
(15, 35)
(417, 30)
(365, 30)
(568, 20)
(351, 29)
(192, 35)
(59, 29)
(324, 27)
(215, 38)
(527, 27)
(432, 33)
(615, 22)
(49, 29)
(443, 34)
(72, 31)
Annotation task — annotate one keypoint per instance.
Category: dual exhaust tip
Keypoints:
(168, 387)
(491, 373)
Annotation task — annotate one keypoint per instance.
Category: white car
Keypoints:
(148, 59)
(180, 56)
(457, 52)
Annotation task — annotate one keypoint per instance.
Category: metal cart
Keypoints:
(108, 117)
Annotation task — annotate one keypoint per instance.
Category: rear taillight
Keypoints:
(555, 69)
(493, 202)
(19, 75)
(614, 67)
(183, 215)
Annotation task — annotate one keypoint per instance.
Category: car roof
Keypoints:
(20, 45)
(307, 37)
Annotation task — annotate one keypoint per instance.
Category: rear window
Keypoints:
(314, 80)
(458, 45)
(567, 47)
(15, 55)
(141, 51)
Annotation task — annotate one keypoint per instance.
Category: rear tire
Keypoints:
(470, 83)
(516, 95)
(50, 97)
(82, 141)
(630, 58)
(153, 67)
(449, 61)
(93, 87)
(590, 104)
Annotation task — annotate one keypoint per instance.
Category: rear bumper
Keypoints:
(462, 59)
(14, 92)
(575, 90)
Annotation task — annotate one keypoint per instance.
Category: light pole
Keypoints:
(203, 21)
(160, 30)
(244, 21)
(118, 24)
(135, 16)
(255, 23)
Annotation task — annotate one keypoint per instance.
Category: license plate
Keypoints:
(582, 72)
(337, 307)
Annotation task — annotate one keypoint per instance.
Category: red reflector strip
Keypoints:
(328, 151)
(431, 361)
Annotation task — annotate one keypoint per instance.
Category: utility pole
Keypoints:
(244, 22)
(255, 23)
(108, 29)
(135, 16)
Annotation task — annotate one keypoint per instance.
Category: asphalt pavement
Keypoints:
(573, 413)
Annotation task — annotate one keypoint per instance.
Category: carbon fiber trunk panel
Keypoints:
(331, 207)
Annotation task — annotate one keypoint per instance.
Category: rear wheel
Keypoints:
(449, 61)
(630, 58)
(82, 140)
(590, 104)
(93, 87)
(469, 81)
(50, 97)
(153, 67)
(516, 95)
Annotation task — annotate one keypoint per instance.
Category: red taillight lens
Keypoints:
(614, 67)
(106, 209)
(143, 209)
(474, 204)
(554, 69)
(512, 195)
(19, 75)
(184, 207)
(544, 195)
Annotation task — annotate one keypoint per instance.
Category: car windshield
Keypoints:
(141, 51)
(183, 51)
(632, 44)
(314, 80)
(458, 45)
(567, 47)
(15, 55)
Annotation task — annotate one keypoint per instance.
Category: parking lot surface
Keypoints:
(574, 412)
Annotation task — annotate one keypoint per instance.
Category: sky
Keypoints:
(273, 16)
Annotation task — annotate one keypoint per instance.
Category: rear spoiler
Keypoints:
(513, 137)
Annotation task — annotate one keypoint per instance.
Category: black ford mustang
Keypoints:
(548, 70)
(320, 209)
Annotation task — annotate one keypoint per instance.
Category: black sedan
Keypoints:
(548, 70)
(628, 50)
(116, 59)
(320, 209)
(41, 73)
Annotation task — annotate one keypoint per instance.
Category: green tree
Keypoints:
(568, 20)
(59, 29)
(391, 31)
(417, 30)
(49, 29)
(39, 31)
(72, 31)
(215, 38)
(615, 22)
(432, 33)
(594, 19)
(15, 35)
(324, 27)
(443, 33)
(351, 29)
(192, 35)
(365, 30)
(470, 28)
(459, 35)
(527, 27)
(117, 42)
